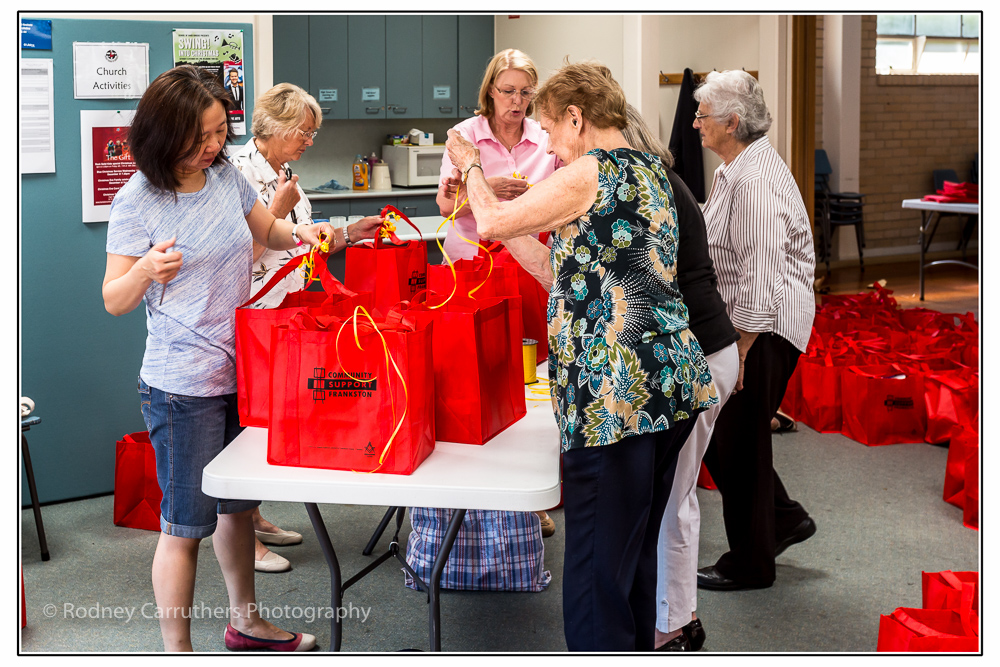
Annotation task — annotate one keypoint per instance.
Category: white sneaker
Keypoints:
(280, 538)
(272, 562)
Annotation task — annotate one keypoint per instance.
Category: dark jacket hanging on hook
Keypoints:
(685, 143)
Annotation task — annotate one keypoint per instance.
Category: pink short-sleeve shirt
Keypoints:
(528, 157)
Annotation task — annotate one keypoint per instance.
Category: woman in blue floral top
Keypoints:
(626, 374)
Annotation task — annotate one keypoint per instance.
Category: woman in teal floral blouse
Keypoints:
(626, 374)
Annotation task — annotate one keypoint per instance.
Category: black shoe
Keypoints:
(695, 634)
(710, 579)
(678, 643)
(802, 532)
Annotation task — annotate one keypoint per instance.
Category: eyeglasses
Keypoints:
(307, 135)
(527, 94)
(699, 116)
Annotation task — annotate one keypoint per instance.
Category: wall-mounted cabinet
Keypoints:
(376, 66)
(475, 48)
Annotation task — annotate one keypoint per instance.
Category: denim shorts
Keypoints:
(187, 432)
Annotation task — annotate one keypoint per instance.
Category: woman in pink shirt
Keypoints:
(508, 141)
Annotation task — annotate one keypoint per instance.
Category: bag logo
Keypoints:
(417, 281)
(340, 385)
(369, 450)
(899, 402)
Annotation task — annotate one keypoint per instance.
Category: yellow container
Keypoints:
(529, 345)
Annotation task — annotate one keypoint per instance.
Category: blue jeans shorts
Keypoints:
(187, 432)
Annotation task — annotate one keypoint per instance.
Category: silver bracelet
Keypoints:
(347, 237)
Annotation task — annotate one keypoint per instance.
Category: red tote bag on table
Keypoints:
(478, 383)
(883, 406)
(339, 406)
(137, 493)
(253, 332)
(392, 270)
(534, 300)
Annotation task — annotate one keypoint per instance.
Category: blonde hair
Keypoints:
(589, 86)
(640, 137)
(501, 62)
(280, 111)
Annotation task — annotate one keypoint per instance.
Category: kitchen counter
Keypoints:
(324, 195)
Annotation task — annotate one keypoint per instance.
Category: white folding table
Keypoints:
(518, 470)
(930, 215)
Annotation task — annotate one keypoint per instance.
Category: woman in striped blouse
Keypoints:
(760, 241)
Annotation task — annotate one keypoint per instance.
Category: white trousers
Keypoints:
(677, 547)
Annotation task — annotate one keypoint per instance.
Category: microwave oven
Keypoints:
(414, 166)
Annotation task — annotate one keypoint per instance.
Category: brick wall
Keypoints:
(910, 125)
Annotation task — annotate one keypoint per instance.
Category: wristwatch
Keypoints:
(465, 174)
(347, 237)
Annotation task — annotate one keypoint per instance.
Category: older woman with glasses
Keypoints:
(626, 374)
(508, 140)
(286, 119)
(761, 243)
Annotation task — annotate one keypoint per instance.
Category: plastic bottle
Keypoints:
(360, 173)
(372, 161)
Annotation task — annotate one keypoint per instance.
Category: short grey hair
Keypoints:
(280, 111)
(734, 92)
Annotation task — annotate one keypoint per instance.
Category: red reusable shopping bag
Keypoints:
(928, 630)
(970, 512)
(944, 590)
(883, 406)
(137, 493)
(820, 387)
(534, 300)
(962, 440)
(253, 332)
(951, 398)
(478, 374)
(351, 394)
(392, 270)
(705, 480)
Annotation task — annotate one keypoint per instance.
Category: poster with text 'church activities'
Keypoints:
(220, 52)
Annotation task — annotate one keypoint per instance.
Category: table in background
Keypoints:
(518, 470)
(930, 215)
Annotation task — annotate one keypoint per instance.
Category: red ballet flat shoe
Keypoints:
(237, 641)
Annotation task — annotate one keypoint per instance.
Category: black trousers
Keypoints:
(755, 506)
(613, 501)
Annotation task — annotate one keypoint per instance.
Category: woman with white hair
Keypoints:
(761, 243)
(286, 119)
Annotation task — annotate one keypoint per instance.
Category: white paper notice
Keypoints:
(37, 142)
(106, 160)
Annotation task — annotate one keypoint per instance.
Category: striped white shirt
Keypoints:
(761, 243)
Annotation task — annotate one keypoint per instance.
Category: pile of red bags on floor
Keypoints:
(948, 621)
(882, 375)
(955, 193)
